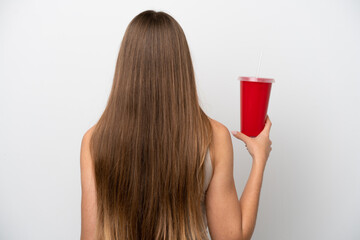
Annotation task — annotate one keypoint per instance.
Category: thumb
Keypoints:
(240, 135)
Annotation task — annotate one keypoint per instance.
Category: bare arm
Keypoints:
(88, 196)
(249, 201)
(222, 204)
(228, 216)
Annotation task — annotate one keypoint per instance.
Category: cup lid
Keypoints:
(255, 79)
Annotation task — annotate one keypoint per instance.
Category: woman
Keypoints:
(155, 166)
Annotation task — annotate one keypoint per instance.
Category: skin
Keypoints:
(88, 190)
(228, 217)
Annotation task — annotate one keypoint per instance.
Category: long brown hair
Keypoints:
(150, 143)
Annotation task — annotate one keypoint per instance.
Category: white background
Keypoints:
(57, 61)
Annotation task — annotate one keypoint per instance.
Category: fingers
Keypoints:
(267, 124)
(240, 136)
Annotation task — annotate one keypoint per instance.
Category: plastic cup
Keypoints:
(254, 101)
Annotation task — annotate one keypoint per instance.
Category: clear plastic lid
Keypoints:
(255, 79)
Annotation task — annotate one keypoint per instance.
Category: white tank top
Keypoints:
(208, 176)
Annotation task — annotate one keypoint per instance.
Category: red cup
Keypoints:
(254, 101)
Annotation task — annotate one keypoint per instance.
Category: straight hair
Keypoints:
(150, 143)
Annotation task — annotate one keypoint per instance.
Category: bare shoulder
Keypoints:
(85, 146)
(219, 128)
(221, 142)
(88, 133)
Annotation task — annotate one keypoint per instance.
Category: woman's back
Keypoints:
(89, 190)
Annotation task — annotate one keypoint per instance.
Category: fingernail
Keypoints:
(234, 132)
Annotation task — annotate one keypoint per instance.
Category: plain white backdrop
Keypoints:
(57, 62)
